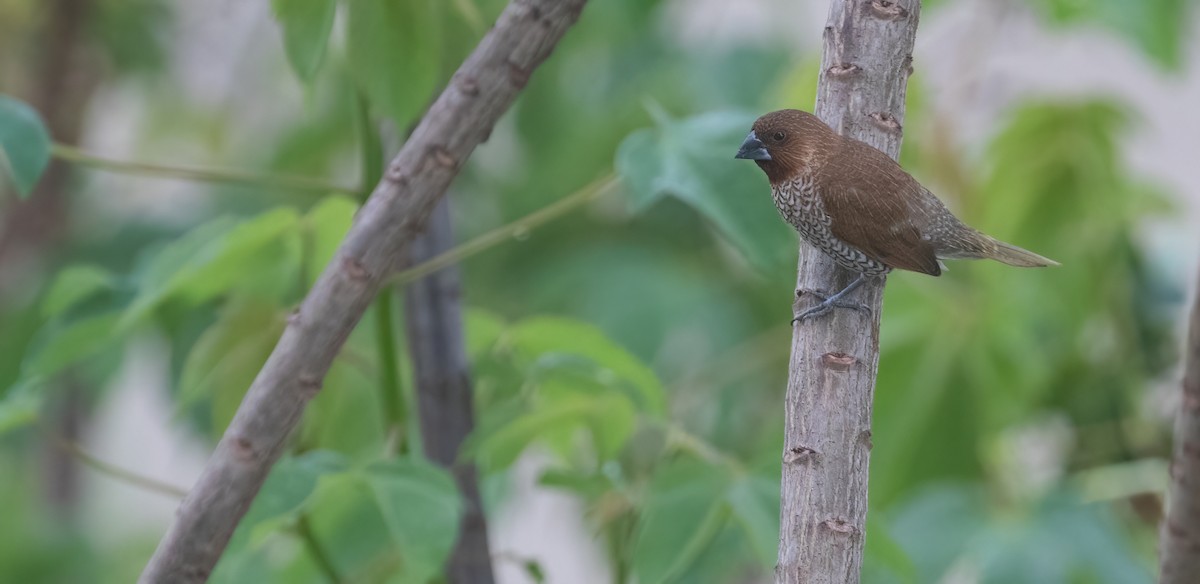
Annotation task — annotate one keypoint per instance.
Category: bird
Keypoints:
(859, 207)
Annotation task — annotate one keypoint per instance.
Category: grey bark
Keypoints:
(831, 381)
(1180, 538)
(433, 316)
(481, 90)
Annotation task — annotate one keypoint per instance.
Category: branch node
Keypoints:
(443, 157)
(395, 174)
(888, 10)
(838, 361)
(865, 438)
(309, 384)
(355, 270)
(293, 318)
(887, 122)
(800, 454)
(467, 84)
(517, 74)
(844, 71)
(840, 525)
(243, 450)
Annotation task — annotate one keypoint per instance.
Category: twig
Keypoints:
(212, 175)
(1180, 546)
(115, 472)
(503, 233)
(483, 88)
(831, 379)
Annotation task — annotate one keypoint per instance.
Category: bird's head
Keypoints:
(787, 143)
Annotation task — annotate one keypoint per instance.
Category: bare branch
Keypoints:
(831, 382)
(443, 388)
(1180, 537)
(463, 115)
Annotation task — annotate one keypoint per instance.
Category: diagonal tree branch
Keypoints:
(433, 314)
(483, 88)
(1180, 546)
(831, 381)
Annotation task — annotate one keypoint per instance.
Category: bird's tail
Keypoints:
(1015, 256)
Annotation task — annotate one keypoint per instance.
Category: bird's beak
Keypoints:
(753, 149)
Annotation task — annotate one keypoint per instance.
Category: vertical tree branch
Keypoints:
(443, 387)
(481, 90)
(831, 381)
(1180, 539)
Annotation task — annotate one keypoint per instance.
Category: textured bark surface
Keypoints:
(831, 381)
(433, 315)
(463, 115)
(1180, 537)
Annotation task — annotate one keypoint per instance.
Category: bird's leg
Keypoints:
(829, 302)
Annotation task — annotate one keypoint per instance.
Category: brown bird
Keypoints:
(857, 205)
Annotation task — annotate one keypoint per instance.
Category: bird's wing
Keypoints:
(878, 208)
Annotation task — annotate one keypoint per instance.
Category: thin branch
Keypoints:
(117, 473)
(484, 87)
(212, 175)
(517, 228)
(1180, 546)
(834, 359)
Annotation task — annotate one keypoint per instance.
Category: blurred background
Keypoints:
(629, 354)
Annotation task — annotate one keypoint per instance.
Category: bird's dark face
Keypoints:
(785, 143)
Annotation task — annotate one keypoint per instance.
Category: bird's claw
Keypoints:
(827, 303)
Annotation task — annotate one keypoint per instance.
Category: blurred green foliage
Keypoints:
(640, 347)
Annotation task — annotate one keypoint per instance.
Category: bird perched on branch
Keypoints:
(856, 204)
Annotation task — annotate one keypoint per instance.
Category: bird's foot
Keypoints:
(827, 303)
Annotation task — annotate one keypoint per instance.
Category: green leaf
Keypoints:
(284, 495)
(683, 512)
(420, 504)
(306, 27)
(590, 486)
(345, 415)
(393, 54)
(325, 225)
(73, 285)
(24, 144)
(499, 448)
(19, 406)
(534, 338)
(228, 355)
(483, 329)
(216, 257)
(63, 344)
(692, 160)
(884, 556)
(755, 503)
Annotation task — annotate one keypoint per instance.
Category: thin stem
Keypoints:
(392, 393)
(389, 367)
(118, 473)
(298, 183)
(680, 438)
(319, 555)
(517, 228)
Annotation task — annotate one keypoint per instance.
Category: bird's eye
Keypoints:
(778, 136)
